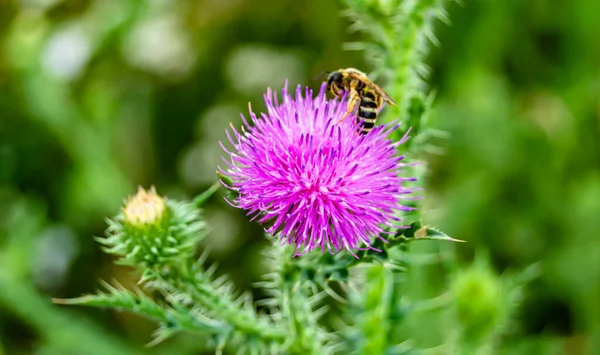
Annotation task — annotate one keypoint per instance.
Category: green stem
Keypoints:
(407, 57)
(290, 295)
(200, 199)
(200, 289)
(176, 318)
(303, 326)
(402, 34)
(375, 323)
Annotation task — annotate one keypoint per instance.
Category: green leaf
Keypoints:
(418, 231)
(174, 317)
(434, 234)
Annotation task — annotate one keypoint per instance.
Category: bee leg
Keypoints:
(354, 100)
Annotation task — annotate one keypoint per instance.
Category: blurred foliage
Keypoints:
(99, 96)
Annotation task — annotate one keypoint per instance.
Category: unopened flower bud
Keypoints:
(152, 232)
(478, 301)
(145, 208)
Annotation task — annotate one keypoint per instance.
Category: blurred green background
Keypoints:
(99, 96)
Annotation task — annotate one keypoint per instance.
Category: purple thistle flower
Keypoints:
(317, 183)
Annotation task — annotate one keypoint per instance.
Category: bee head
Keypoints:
(335, 80)
(335, 77)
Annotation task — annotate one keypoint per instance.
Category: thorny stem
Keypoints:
(305, 337)
(402, 35)
(296, 306)
(199, 288)
(177, 318)
(377, 300)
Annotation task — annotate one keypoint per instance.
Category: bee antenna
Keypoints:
(322, 75)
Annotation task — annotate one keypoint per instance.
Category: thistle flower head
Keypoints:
(152, 231)
(316, 182)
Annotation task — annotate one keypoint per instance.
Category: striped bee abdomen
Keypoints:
(367, 113)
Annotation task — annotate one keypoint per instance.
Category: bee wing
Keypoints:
(387, 98)
(365, 80)
(384, 95)
(321, 75)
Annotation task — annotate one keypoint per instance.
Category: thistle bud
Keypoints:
(144, 209)
(478, 302)
(153, 232)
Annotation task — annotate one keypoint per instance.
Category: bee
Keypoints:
(363, 92)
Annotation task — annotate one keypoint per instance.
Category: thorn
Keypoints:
(60, 300)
